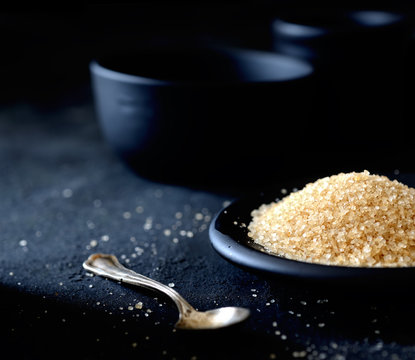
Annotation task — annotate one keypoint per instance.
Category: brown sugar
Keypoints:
(353, 219)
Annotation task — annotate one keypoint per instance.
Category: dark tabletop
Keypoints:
(65, 195)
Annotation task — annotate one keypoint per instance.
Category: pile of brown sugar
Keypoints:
(353, 219)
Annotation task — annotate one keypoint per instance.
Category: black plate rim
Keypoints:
(242, 255)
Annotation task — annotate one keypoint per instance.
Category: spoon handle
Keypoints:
(109, 266)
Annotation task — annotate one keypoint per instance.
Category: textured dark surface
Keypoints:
(64, 195)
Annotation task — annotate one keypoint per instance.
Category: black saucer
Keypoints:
(229, 237)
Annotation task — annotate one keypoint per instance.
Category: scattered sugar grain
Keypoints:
(67, 193)
(199, 216)
(139, 305)
(93, 243)
(139, 209)
(23, 243)
(299, 354)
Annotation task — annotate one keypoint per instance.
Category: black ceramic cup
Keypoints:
(335, 35)
(202, 114)
(361, 64)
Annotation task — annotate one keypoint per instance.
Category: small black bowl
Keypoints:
(200, 112)
(338, 35)
(229, 237)
(362, 64)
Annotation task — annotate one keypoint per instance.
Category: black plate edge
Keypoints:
(254, 260)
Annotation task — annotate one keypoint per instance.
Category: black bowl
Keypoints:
(363, 68)
(340, 35)
(229, 237)
(185, 113)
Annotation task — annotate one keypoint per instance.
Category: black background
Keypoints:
(46, 52)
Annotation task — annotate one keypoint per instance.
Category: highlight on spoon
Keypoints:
(213, 319)
(93, 260)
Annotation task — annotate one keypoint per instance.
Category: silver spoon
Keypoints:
(189, 318)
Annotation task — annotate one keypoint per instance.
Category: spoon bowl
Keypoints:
(212, 319)
(189, 318)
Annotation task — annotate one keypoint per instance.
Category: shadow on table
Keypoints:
(352, 313)
(39, 328)
(243, 174)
